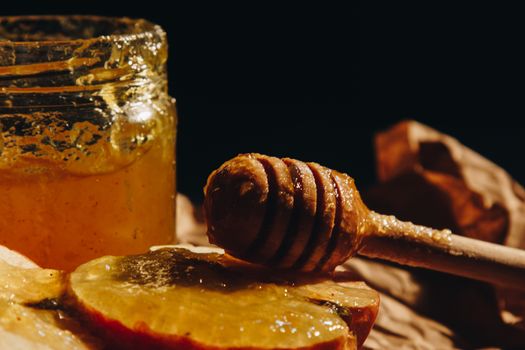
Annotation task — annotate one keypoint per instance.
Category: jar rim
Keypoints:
(73, 59)
(125, 29)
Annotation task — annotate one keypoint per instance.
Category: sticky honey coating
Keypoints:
(303, 215)
(389, 225)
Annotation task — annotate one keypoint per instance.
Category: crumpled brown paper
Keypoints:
(480, 199)
(432, 179)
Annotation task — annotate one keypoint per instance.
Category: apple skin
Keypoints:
(362, 321)
(119, 337)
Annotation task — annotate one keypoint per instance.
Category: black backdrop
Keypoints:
(316, 81)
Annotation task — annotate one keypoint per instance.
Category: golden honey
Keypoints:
(87, 138)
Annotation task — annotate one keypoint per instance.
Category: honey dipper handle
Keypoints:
(461, 256)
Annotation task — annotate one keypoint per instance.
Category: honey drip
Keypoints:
(389, 225)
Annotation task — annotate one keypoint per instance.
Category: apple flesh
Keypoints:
(25, 291)
(174, 298)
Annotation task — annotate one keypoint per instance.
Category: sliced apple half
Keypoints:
(173, 298)
(29, 285)
(29, 296)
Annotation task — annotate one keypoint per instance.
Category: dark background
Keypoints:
(316, 81)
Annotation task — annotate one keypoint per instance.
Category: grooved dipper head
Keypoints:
(284, 213)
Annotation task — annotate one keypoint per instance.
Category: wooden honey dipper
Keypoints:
(289, 214)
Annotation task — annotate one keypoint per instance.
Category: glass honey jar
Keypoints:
(87, 138)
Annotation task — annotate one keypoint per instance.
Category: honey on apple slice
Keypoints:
(173, 298)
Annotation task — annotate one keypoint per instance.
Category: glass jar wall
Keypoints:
(87, 138)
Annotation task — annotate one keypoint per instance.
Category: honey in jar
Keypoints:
(87, 138)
